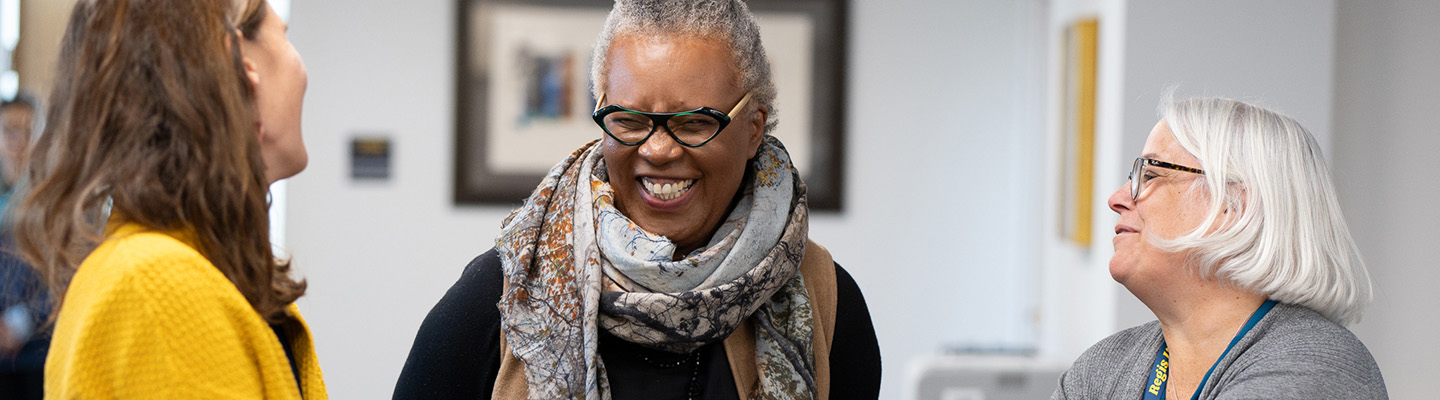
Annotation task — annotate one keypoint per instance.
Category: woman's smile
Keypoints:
(665, 190)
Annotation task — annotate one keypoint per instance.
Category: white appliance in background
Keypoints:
(985, 377)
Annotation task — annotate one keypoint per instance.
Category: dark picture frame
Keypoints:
(487, 168)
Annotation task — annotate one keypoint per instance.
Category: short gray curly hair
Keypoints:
(729, 21)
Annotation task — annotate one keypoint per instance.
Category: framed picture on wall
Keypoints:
(1082, 41)
(523, 98)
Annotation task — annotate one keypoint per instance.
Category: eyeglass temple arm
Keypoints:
(600, 101)
(741, 104)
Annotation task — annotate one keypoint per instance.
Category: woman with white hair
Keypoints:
(670, 259)
(1231, 233)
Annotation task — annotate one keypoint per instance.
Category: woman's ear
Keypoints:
(757, 123)
(250, 71)
(238, 39)
(254, 77)
(1234, 206)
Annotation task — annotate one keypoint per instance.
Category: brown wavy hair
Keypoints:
(154, 122)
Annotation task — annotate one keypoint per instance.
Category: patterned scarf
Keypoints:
(573, 264)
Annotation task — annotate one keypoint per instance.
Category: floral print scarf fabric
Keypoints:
(574, 264)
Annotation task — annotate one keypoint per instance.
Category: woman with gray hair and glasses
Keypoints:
(1231, 233)
(669, 259)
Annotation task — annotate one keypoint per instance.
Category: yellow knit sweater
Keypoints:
(147, 317)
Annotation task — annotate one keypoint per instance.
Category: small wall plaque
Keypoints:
(370, 159)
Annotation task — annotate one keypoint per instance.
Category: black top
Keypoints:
(289, 354)
(456, 354)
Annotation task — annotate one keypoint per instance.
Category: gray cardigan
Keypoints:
(1292, 353)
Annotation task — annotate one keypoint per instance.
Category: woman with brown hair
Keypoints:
(147, 212)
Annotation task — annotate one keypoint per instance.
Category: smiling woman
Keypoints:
(697, 184)
(668, 260)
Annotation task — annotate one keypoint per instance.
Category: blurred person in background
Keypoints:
(146, 209)
(24, 305)
(1230, 231)
(670, 259)
(19, 116)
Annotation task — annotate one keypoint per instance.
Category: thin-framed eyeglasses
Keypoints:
(1138, 177)
(692, 128)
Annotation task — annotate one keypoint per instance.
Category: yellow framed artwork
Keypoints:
(1078, 168)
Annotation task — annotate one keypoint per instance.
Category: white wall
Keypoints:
(377, 256)
(940, 195)
(1387, 128)
(943, 130)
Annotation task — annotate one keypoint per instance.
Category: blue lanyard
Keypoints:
(1160, 372)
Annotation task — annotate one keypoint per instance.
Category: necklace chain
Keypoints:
(691, 389)
(666, 365)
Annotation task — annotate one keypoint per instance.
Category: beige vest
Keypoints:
(819, 271)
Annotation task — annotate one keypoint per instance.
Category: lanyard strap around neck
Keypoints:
(1160, 372)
